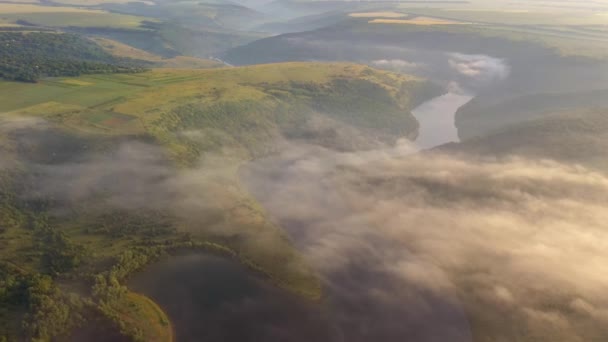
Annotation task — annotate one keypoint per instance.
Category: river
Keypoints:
(436, 118)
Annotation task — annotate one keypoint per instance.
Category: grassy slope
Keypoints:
(119, 49)
(169, 29)
(237, 114)
(141, 312)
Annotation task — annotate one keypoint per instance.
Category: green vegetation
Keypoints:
(29, 56)
(82, 257)
(122, 50)
(167, 29)
(481, 117)
(576, 136)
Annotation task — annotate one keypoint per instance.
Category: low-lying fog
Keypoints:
(441, 248)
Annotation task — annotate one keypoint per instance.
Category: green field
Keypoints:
(52, 16)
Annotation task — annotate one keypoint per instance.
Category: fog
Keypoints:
(489, 225)
(518, 245)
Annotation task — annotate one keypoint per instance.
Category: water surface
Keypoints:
(213, 299)
(436, 118)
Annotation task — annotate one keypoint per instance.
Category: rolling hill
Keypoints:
(578, 136)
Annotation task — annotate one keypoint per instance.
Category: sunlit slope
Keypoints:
(246, 108)
(122, 50)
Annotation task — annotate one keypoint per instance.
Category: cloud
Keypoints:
(429, 247)
(89, 173)
(502, 249)
(481, 68)
(395, 64)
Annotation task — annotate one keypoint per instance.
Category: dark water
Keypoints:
(213, 299)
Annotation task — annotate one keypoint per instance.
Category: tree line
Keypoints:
(29, 56)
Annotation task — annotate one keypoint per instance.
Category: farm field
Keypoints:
(52, 16)
(132, 103)
(377, 15)
(424, 21)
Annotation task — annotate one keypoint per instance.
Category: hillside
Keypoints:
(524, 74)
(30, 56)
(156, 156)
(577, 136)
(485, 115)
(167, 29)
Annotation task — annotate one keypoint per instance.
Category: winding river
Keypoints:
(436, 118)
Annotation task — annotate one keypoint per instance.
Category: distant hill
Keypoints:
(538, 78)
(577, 136)
(485, 115)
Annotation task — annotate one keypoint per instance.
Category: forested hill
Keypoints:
(29, 56)
(578, 136)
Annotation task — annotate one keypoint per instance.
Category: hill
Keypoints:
(167, 29)
(578, 136)
(524, 76)
(30, 56)
(486, 114)
(104, 174)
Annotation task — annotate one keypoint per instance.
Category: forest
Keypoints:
(29, 56)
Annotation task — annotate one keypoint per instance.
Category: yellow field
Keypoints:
(123, 50)
(187, 62)
(423, 21)
(25, 1)
(62, 16)
(76, 82)
(377, 15)
(100, 2)
(30, 8)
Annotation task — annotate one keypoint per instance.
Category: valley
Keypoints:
(180, 136)
(303, 170)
